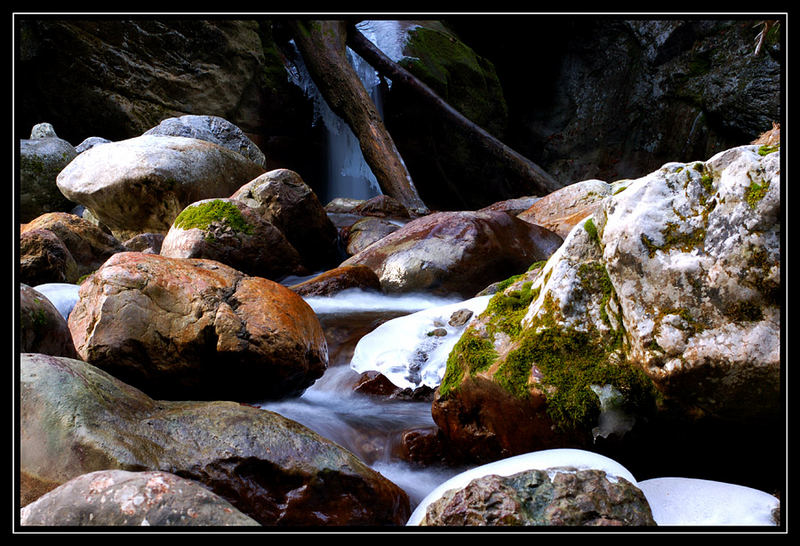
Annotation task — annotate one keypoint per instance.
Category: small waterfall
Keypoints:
(347, 173)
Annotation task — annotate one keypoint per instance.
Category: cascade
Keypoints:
(347, 173)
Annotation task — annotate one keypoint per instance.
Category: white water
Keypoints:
(347, 173)
(369, 426)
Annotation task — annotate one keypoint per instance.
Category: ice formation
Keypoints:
(411, 351)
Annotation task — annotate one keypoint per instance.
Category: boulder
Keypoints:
(122, 498)
(282, 198)
(382, 206)
(338, 279)
(456, 252)
(90, 142)
(342, 205)
(40, 160)
(88, 244)
(42, 328)
(43, 258)
(43, 130)
(669, 292)
(141, 184)
(76, 419)
(366, 231)
(561, 210)
(231, 232)
(514, 206)
(149, 243)
(556, 497)
(212, 129)
(196, 329)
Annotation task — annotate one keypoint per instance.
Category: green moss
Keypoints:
(508, 309)
(755, 192)
(594, 278)
(39, 317)
(591, 229)
(472, 354)
(537, 265)
(570, 361)
(674, 237)
(202, 216)
(765, 150)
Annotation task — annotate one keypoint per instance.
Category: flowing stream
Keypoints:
(369, 426)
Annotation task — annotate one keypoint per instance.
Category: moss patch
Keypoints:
(568, 361)
(591, 229)
(765, 150)
(755, 192)
(202, 216)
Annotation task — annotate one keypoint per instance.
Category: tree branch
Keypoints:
(523, 167)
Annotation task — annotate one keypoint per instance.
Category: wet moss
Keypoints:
(471, 354)
(570, 361)
(205, 214)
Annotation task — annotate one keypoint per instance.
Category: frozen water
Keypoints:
(389, 36)
(411, 351)
(348, 174)
(691, 501)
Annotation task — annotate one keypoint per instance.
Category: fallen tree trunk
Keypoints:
(322, 44)
(522, 166)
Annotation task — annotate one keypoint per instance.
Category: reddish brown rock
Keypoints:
(456, 252)
(485, 422)
(89, 245)
(196, 329)
(338, 279)
(561, 210)
(382, 206)
(44, 258)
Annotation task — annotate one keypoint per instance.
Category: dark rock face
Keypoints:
(569, 498)
(123, 77)
(616, 99)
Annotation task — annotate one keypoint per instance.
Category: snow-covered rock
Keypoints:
(411, 351)
(691, 501)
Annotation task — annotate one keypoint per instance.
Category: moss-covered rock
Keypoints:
(231, 232)
(664, 299)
